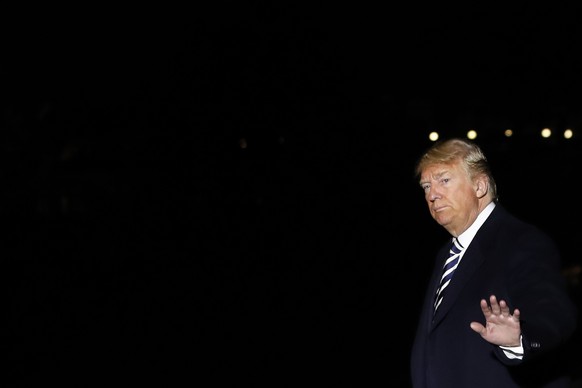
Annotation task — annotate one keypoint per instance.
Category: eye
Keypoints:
(425, 187)
(445, 180)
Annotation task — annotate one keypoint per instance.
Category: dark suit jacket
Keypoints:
(516, 262)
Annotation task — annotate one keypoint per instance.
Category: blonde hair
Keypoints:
(455, 150)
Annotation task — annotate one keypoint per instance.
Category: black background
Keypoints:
(226, 193)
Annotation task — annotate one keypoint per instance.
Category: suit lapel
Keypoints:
(471, 261)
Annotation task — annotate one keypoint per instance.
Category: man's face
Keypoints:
(451, 196)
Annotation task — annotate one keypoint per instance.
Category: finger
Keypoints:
(495, 309)
(516, 314)
(485, 308)
(504, 307)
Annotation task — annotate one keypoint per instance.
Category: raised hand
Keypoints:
(501, 327)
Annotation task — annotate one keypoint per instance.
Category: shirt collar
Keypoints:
(466, 237)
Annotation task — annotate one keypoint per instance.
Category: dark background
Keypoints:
(227, 193)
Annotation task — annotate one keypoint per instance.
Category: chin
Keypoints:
(442, 220)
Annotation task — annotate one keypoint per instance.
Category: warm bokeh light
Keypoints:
(472, 133)
(568, 133)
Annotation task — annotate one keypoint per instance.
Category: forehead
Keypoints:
(435, 171)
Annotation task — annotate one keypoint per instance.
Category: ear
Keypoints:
(481, 186)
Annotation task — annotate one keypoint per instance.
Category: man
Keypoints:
(499, 314)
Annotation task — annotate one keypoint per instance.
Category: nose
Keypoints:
(433, 194)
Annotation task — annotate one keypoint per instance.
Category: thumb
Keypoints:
(477, 327)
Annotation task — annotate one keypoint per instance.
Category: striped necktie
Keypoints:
(448, 270)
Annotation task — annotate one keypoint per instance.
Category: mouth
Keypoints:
(438, 209)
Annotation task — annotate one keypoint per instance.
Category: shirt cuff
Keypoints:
(514, 352)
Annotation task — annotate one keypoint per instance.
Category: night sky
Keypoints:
(228, 192)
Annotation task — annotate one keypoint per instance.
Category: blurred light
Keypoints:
(508, 132)
(472, 134)
(242, 143)
(568, 133)
(546, 132)
(433, 136)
